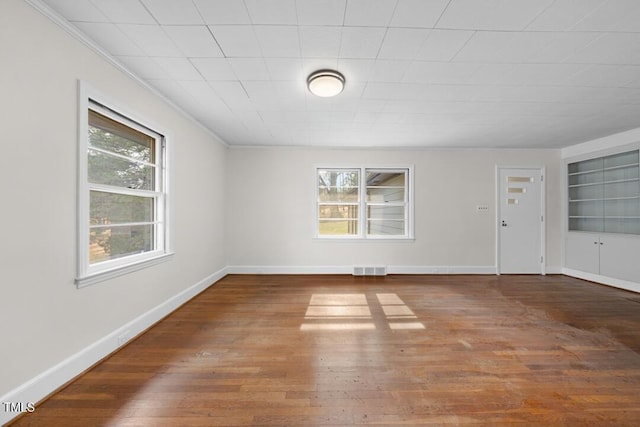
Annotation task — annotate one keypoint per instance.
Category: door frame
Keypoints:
(543, 216)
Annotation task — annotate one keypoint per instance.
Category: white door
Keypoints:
(520, 221)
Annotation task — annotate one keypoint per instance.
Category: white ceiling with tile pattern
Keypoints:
(419, 73)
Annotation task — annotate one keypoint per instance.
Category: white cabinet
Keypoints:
(582, 252)
(603, 222)
(608, 255)
(620, 257)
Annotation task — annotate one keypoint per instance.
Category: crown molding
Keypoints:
(72, 30)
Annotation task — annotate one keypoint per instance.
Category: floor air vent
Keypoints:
(369, 271)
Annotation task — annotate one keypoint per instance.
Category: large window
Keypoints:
(122, 194)
(363, 202)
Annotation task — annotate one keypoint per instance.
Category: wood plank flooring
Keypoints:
(342, 350)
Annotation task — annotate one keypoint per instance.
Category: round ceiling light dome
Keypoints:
(325, 83)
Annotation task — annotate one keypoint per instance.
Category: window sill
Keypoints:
(92, 279)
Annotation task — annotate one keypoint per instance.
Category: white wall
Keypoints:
(45, 318)
(270, 206)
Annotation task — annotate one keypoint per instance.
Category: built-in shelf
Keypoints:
(604, 217)
(604, 194)
(603, 169)
(605, 199)
(604, 182)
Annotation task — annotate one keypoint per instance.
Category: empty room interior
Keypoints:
(320, 212)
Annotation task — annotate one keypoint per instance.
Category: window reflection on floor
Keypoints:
(337, 327)
(338, 311)
(397, 312)
(329, 312)
(342, 312)
(338, 299)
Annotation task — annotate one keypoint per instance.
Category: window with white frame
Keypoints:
(363, 202)
(122, 194)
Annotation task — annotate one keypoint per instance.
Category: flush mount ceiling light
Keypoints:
(325, 83)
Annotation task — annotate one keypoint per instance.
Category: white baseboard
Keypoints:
(348, 269)
(441, 269)
(553, 270)
(616, 283)
(288, 269)
(391, 269)
(53, 378)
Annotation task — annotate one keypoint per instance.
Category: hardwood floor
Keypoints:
(342, 350)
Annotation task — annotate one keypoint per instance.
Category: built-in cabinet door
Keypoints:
(620, 257)
(582, 252)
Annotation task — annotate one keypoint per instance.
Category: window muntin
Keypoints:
(338, 202)
(386, 202)
(374, 207)
(119, 171)
(122, 199)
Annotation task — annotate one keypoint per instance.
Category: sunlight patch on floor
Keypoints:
(331, 312)
(406, 325)
(337, 327)
(338, 311)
